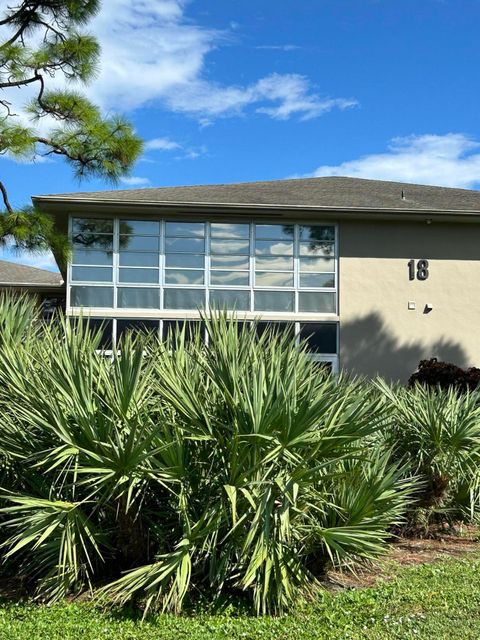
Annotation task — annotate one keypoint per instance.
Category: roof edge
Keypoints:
(56, 200)
(43, 285)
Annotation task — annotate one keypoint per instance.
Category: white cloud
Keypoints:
(161, 144)
(451, 160)
(165, 144)
(287, 95)
(193, 154)
(147, 50)
(278, 47)
(152, 54)
(135, 181)
(292, 94)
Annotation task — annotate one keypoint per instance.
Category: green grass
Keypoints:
(433, 601)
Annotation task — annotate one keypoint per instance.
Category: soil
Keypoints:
(442, 544)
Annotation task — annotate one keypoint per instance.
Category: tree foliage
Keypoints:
(44, 40)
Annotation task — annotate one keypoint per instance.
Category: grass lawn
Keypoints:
(439, 600)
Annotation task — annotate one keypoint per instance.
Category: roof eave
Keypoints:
(54, 203)
(32, 285)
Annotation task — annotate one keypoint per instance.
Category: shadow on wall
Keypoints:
(368, 348)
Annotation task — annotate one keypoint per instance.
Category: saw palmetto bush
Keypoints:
(436, 433)
(171, 469)
(19, 318)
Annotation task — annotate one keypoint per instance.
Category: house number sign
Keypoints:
(418, 270)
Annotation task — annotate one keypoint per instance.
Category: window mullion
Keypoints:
(161, 265)
(207, 263)
(69, 268)
(252, 266)
(116, 246)
(296, 264)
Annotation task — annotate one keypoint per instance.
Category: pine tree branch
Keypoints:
(59, 150)
(25, 13)
(20, 83)
(8, 106)
(6, 201)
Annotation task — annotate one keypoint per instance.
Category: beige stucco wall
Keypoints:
(378, 333)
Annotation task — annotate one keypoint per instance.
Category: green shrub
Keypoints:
(174, 469)
(436, 432)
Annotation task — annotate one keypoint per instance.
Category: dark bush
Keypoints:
(435, 373)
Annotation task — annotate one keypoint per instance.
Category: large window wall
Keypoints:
(151, 275)
(170, 265)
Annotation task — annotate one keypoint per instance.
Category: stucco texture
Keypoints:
(379, 335)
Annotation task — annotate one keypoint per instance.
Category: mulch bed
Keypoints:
(439, 545)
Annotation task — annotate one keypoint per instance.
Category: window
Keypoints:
(148, 327)
(320, 338)
(92, 241)
(184, 265)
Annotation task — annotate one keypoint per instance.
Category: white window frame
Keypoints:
(206, 286)
(114, 313)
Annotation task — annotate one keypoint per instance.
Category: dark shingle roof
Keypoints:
(14, 274)
(331, 192)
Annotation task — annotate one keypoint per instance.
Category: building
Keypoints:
(47, 286)
(376, 275)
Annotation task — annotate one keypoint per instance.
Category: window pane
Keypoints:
(276, 328)
(137, 259)
(230, 278)
(85, 256)
(93, 241)
(184, 298)
(273, 279)
(92, 225)
(317, 264)
(321, 337)
(314, 248)
(191, 328)
(91, 297)
(317, 280)
(137, 326)
(274, 301)
(184, 245)
(316, 302)
(280, 263)
(317, 233)
(230, 246)
(92, 274)
(185, 260)
(147, 276)
(225, 299)
(138, 298)
(230, 262)
(188, 229)
(105, 328)
(183, 277)
(225, 230)
(274, 248)
(140, 227)
(139, 243)
(277, 231)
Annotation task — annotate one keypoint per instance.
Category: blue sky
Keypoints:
(239, 90)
